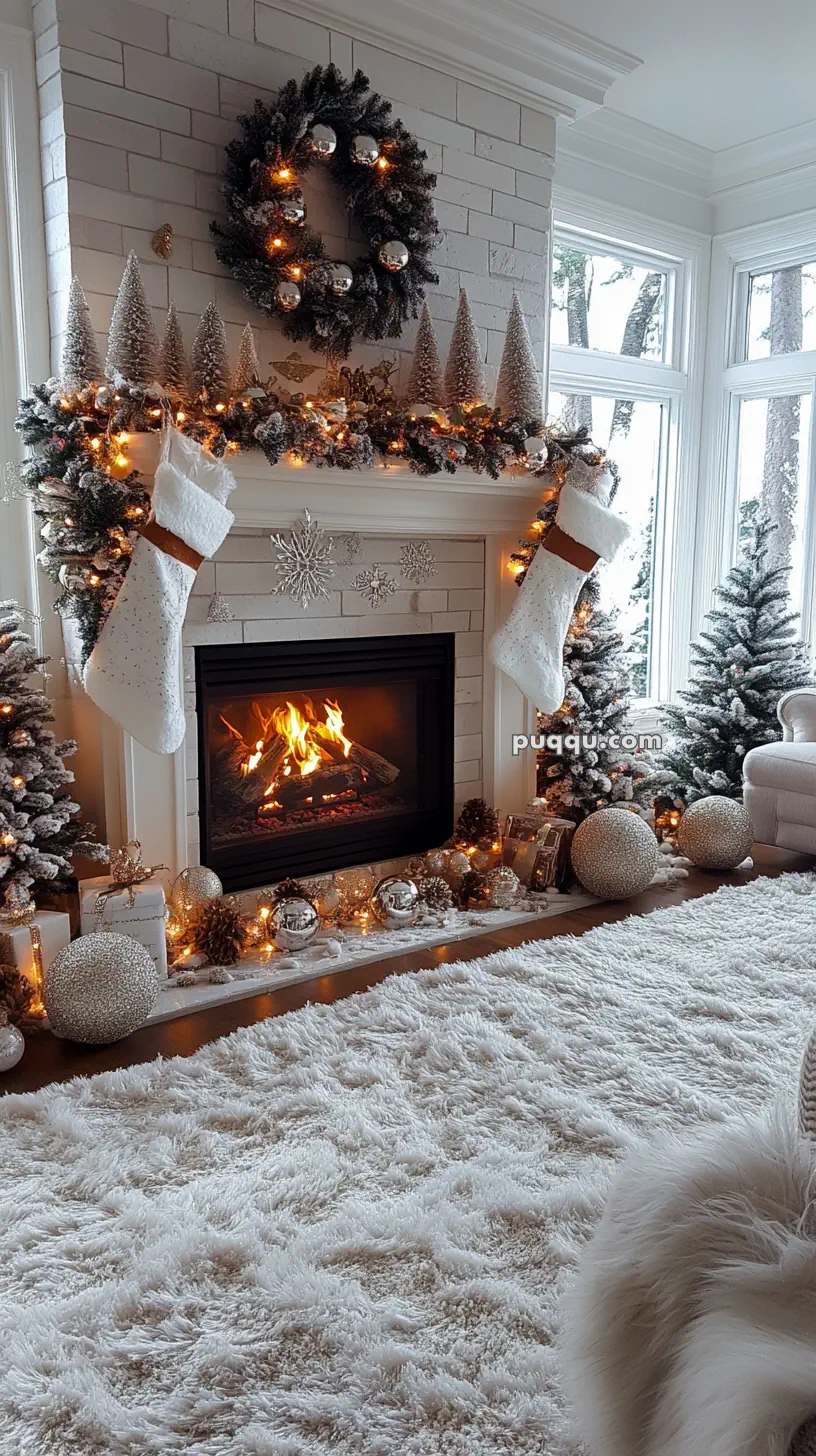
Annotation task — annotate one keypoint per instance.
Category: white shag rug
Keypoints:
(347, 1230)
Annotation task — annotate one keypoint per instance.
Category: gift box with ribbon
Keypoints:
(29, 941)
(129, 901)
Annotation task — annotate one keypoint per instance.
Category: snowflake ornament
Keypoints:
(304, 563)
(417, 561)
(351, 545)
(375, 585)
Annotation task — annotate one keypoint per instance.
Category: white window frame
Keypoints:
(732, 378)
(675, 383)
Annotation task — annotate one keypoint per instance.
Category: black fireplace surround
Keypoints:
(377, 787)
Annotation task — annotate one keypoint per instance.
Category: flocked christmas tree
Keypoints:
(212, 376)
(81, 364)
(247, 369)
(746, 659)
(425, 382)
(132, 345)
(39, 829)
(464, 376)
(518, 391)
(174, 366)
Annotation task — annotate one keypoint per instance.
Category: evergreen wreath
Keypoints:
(280, 262)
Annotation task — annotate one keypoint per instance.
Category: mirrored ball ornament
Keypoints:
(365, 150)
(293, 208)
(288, 295)
(324, 140)
(393, 255)
(340, 279)
(536, 450)
(12, 1044)
(395, 902)
(293, 923)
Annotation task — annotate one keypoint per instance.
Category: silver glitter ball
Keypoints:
(395, 902)
(393, 255)
(614, 854)
(715, 833)
(365, 150)
(100, 988)
(293, 923)
(293, 207)
(503, 887)
(536, 450)
(324, 140)
(195, 886)
(288, 295)
(340, 278)
(12, 1046)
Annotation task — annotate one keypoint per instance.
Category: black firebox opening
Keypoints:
(317, 755)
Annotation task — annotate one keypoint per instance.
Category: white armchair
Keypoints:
(780, 778)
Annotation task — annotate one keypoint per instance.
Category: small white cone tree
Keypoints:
(174, 366)
(464, 376)
(212, 375)
(425, 382)
(247, 369)
(518, 393)
(133, 349)
(81, 364)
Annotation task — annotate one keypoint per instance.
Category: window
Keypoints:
(619, 349)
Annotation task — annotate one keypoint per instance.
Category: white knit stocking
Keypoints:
(530, 645)
(133, 673)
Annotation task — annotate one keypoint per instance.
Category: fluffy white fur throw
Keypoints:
(691, 1329)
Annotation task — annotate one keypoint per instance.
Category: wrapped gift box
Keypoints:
(39, 939)
(138, 912)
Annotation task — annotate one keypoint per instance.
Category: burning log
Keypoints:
(375, 766)
(325, 783)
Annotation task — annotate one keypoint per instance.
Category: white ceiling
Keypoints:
(715, 72)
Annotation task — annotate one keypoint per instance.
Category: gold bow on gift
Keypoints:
(127, 871)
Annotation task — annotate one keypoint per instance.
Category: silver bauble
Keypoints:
(293, 923)
(395, 902)
(393, 255)
(614, 854)
(435, 861)
(194, 887)
(293, 207)
(715, 833)
(340, 278)
(536, 450)
(288, 295)
(104, 397)
(503, 887)
(365, 150)
(12, 1046)
(455, 867)
(324, 140)
(100, 988)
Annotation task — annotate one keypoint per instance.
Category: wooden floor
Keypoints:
(48, 1059)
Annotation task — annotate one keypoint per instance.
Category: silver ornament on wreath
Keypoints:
(100, 988)
(340, 279)
(502, 887)
(393, 255)
(324, 140)
(715, 833)
(293, 207)
(614, 854)
(288, 295)
(293, 923)
(365, 150)
(395, 902)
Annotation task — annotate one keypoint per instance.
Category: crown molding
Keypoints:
(513, 49)
(610, 139)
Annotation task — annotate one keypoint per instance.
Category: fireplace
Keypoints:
(318, 755)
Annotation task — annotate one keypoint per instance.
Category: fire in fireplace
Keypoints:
(319, 755)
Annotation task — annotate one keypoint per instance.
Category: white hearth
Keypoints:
(471, 524)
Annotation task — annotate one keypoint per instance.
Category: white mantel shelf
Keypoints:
(392, 500)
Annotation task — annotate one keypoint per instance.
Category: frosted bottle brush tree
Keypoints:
(425, 382)
(133, 349)
(518, 392)
(464, 375)
(39, 828)
(748, 656)
(247, 368)
(174, 366)
(212, 375)
(81, 364)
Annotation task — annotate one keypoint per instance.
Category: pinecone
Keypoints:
(16, 994)
(477, 825)
(290, 890)
(218, 932)
(473, 889)
(435, 892)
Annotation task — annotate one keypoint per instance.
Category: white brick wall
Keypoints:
(452, 601)
(139, 97)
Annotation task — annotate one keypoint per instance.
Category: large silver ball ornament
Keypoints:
(536, 450)
(12, 1044)
(395, 902)
(100, 988)
(502, 887)
(715, 833)
(288, 295)
(194, 887)
(393, 255)
(456, 865)
(293, 923)
(340, 278)
(614, 854)
(293, 207)
(365, 150)
(324, 140)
